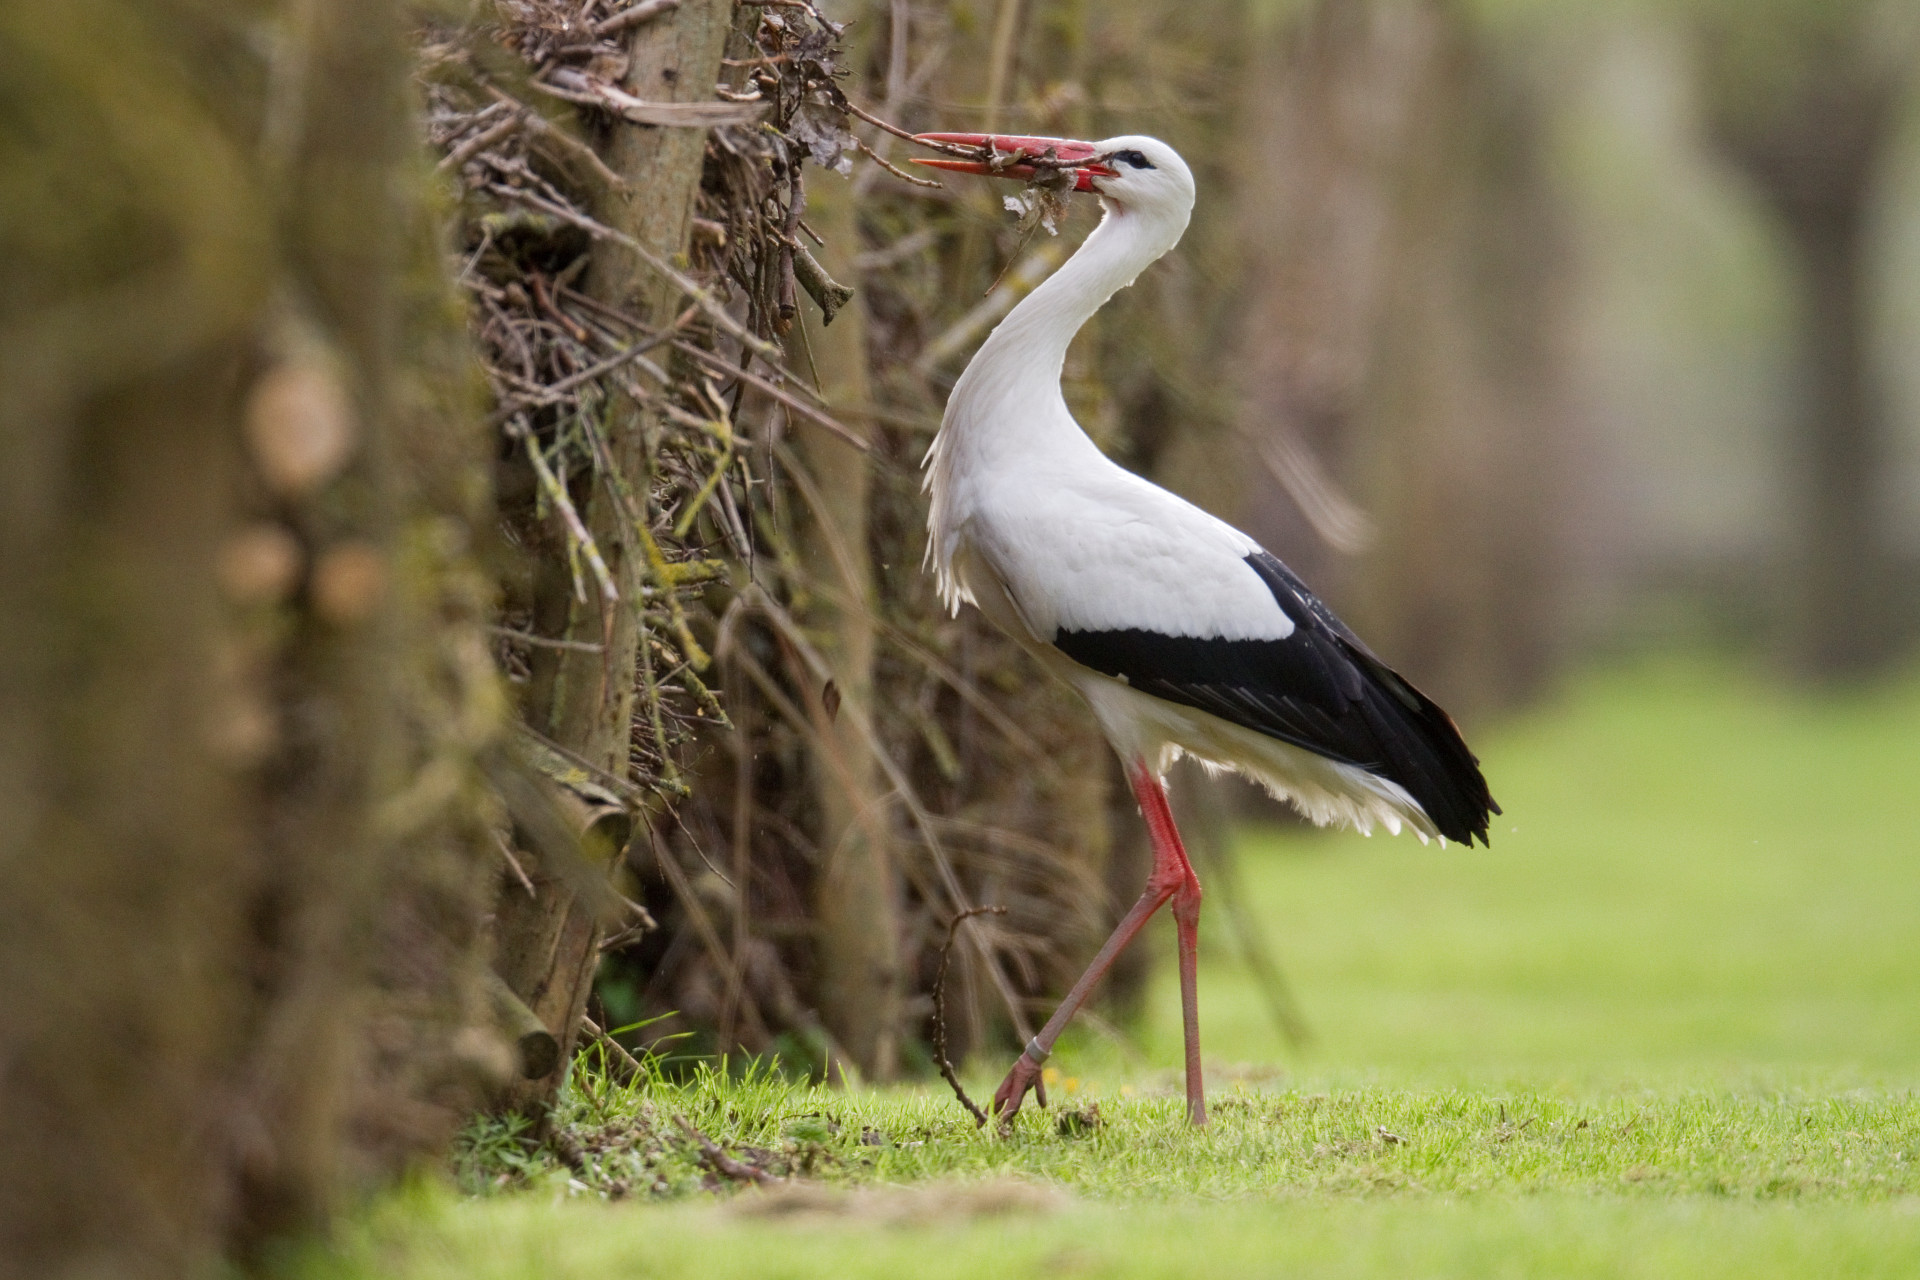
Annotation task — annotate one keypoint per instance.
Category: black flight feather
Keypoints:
(1320, 689)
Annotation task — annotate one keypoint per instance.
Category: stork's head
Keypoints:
(1131, 172)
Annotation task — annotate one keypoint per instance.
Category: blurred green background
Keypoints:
(1699, 876)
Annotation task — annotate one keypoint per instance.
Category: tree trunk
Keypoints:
(1840, 619)
(1805, 103)
(584, 700)
(856, 890)
(234, 733)
(1402, 349)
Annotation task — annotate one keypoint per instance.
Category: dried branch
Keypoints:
(544, 642)
(940, 1010)
(722, 1163)
(643, 12)
(894, 169)
(903, 788)
(555, 392)
(617, 1056)
(563, 503)
(479, 142)
(513, 863)
(703, 926)
(785, 397)
(846, 104)
(569, 371)
(587, 90)
(827, 292)
(785, 307)
(601, 231)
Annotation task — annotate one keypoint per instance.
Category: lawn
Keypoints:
(1666, 1026)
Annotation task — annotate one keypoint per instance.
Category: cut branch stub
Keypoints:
(822, 288)
(603, 825)
(536, 1049)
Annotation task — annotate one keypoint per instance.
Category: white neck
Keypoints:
(1020, 361)
(1006, 414)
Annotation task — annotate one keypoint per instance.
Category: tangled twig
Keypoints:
(940, 1010)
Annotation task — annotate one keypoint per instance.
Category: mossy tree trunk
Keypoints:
(583, 698)
(241, 681)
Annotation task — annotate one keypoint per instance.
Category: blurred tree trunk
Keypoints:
(856, 889)
(1402, 350)
(1805, 104)
(1460, 449)
(241, 681)
(1839, 624)
(583, 698)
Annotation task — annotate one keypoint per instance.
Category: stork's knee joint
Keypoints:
(1165, 886)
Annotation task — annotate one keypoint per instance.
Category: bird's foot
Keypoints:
(1013, 1090)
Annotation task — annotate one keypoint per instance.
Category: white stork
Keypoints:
(1180, 631)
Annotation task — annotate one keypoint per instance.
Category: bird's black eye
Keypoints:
(1132, 159)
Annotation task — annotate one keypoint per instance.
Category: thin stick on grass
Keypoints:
(617, 1056)
(940, 1011)
(722, 1163)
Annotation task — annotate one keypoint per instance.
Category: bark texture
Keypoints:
(583, 698)
(856, 889)
(241, 683)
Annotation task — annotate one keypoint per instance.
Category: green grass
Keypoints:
(1568, 1239)
(1666, 1026)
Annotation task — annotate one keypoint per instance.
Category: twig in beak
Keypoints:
(893, 169)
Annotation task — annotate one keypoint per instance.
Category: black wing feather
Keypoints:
(1320, 688)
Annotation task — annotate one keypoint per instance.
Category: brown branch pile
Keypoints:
(518, 134)
(996, 786)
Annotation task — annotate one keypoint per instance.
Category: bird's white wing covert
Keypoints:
(1127, 556)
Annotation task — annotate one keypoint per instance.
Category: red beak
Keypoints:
(1004, 156)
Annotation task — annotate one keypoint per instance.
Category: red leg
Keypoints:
(1186, 918)
(1172, 878)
